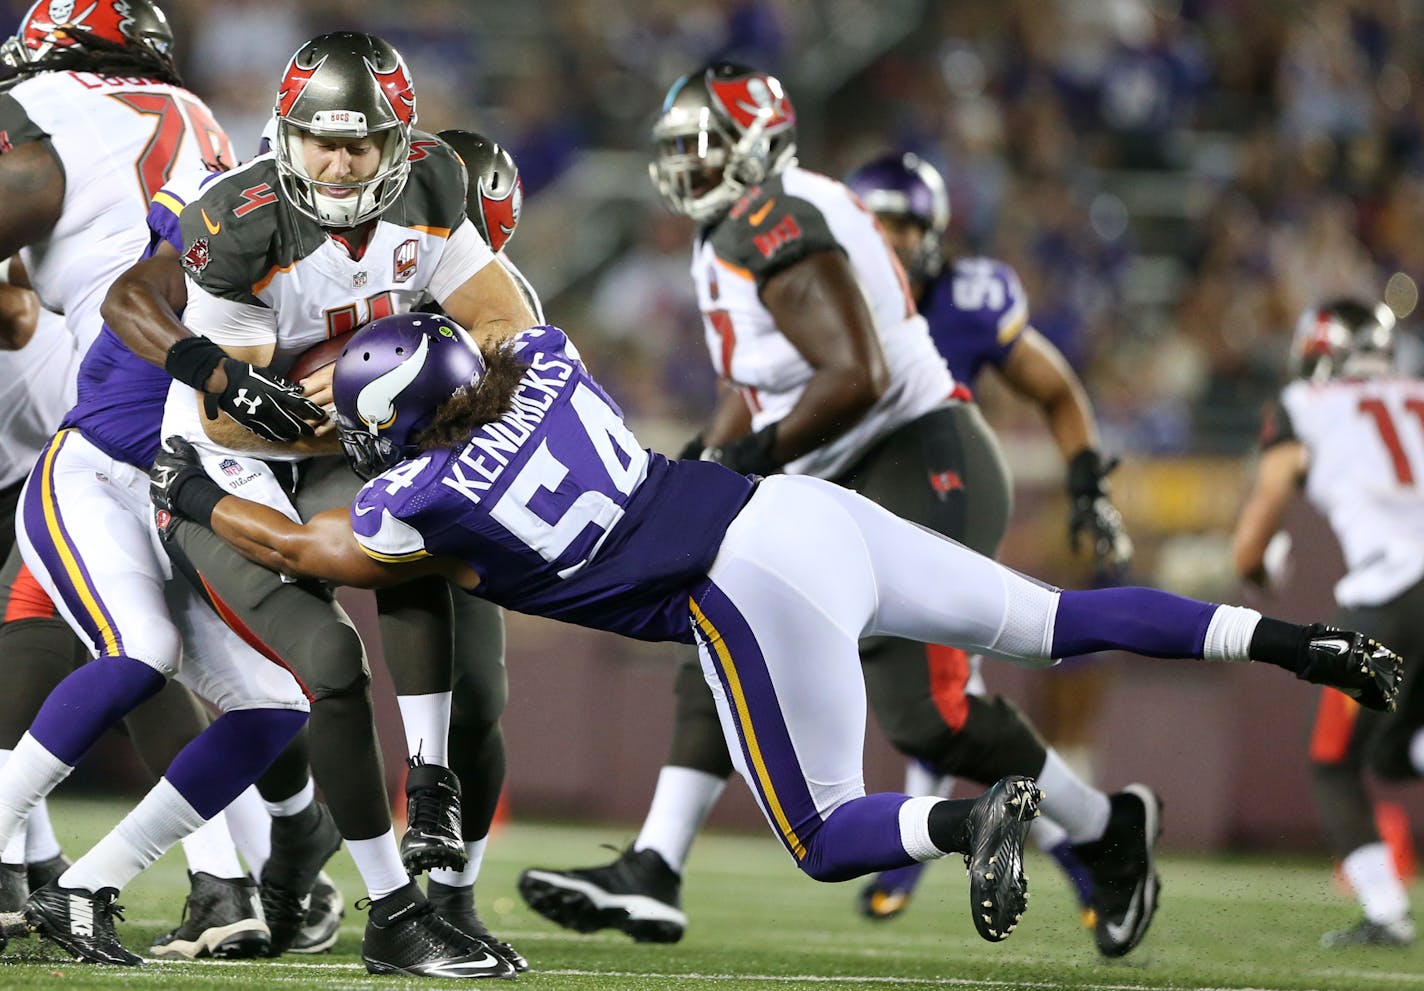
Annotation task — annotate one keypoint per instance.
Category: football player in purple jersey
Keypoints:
(829, 370)
(978, 316)
(509, 471)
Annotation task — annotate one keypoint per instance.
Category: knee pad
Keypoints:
(994, 742)
(333, 662)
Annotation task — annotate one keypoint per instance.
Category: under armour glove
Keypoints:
(271, 407)
(749, 455)
(180, 487)
(1092, 512)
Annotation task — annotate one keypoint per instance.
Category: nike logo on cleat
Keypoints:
(1121, 932)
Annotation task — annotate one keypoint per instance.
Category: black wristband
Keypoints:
(1280, 643)
(197, 498)
(1085, 474)
(192, 360)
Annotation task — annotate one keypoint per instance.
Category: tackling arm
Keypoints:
(1278, 475)
(1038, 372)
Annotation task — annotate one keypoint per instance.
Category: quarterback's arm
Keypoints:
(818, 306)
(31, 195)
(1278, 475)
(487, 301)
(324, 547)
(1037, 371)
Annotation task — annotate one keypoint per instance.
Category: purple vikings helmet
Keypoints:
(390, 379)
(907, 185)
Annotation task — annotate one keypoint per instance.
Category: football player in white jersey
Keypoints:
(829, 370)
(354, 215)
(94, 119)
(1348, 432)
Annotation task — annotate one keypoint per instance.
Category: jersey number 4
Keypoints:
(176, 116)
(1376, 410)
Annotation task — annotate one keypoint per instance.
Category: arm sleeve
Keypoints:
(380, 533)
(465, 255)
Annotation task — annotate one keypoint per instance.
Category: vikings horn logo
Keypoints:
(376, 402)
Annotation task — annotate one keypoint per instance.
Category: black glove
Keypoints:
(692, 450)
(749, 455)
(271, 407)
(1094, 513)
(180, 488)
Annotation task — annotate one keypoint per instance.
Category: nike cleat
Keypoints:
(301, 846)
(888, 894)
(1124, 871)
(221, 918)
(322, 924)
(457, 906)
(14, 887)
(998, 887)
(1397, 932)
(432, 835)
(405, 935)
(638, 894)
(81, 923)
(1362, 668)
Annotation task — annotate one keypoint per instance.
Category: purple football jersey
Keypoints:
(121, 396)
(976, 310)
(559, 509)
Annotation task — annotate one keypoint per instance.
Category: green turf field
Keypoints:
(757, 923)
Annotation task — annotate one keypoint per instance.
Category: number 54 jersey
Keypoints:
(118, 141)
(1365, 438)
(557, 507)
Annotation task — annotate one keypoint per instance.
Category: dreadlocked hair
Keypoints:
(91, 53)
(471, 408)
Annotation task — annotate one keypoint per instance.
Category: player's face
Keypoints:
(341, 160)
(904, 234)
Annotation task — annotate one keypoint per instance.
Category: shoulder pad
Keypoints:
(434, 195)
(232, 230)
(769, 230)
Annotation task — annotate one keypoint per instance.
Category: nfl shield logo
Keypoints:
(405, 258)
(358, 281)
(230, 467)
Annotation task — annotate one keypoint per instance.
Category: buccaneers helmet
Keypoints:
(905, 185)
(344, 85)
(52, 24)
(1344, 337)
(393, 375)
(495, 194)
(721, 129)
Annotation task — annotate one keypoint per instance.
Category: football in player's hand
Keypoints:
(317, 356)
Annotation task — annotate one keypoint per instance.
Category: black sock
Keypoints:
(949, 825)
(388, 908)
(1280, 643)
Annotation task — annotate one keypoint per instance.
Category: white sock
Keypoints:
(475, 849)
(378, 860)
(1370, 871)
(251, 829)
(1416, 751)
(14, 852)
(209, 849)
(915, 828)
(162, 819)
(1071, 802)
(427, 726)
(1228, 635)
(921, 781)
(1046, 834)
(291, 806)
(681, 801)
(40, 841)
(28, 776)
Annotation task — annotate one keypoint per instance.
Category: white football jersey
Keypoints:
(261, 273)
(790, 216)
(36, 389)
(1366, 475)
(119, 141)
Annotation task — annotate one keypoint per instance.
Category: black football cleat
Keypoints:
(998, 888)
(322, 925)
(301, 846)
(432, 832)
(1124, 870)
(81, 923)
(1362, 668)
(888, 894)
(42, 872)
(638, 894)
(457, 906)
(14, 887)
(1398, 932)
(405, 935)
(221, 918)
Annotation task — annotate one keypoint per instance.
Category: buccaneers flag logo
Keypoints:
(752, 97)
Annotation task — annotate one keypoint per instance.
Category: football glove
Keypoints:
(1094, 514)
(749, 455)
(179, 487)
(271, 407)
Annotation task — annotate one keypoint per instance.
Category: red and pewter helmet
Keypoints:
(721, 130)
(495, 195)
(344, 85)
(52, 24)
(1345, 337)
